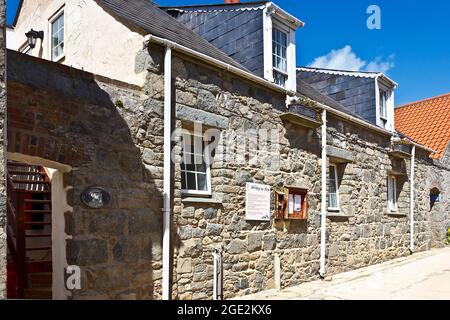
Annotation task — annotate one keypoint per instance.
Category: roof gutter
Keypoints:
(225, 66)
(420, 146)
(354, 119)
(369, 125)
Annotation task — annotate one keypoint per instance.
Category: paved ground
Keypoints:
(421, 276)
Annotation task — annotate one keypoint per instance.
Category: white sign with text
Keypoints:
(257, 202)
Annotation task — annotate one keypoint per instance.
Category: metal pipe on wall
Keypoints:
(167, 171)
(218, 276)
(323, 224)
(411, 199)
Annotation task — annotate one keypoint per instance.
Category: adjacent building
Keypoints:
(428, 122)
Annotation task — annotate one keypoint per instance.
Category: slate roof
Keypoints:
(147, 16)
(347, 73)
(308, 91)
(254, 5)
(427, 122)
(144, 15)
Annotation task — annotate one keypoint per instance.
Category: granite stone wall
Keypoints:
(362, 234)
(438, 177)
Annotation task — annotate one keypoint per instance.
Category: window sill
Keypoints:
(334, 213)
(59, 59)
(396, 214)
(201, 200)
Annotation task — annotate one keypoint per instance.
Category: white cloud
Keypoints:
(346, 59)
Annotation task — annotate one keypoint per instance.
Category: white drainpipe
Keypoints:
(323, 224)
(167, 171)
(217, 283)
(411, 198)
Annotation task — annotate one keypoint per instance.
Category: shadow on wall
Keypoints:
(99, 128)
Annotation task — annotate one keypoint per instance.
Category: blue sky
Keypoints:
(413, 44)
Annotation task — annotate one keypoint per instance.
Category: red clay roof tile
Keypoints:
(427, 122)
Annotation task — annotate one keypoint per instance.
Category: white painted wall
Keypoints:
(94, 40)
(10, 39)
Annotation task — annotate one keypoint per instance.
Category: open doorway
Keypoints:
(29, 209)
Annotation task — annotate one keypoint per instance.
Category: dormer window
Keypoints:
(383, 108)
(385, 103)
(279, 48)
(279, 56)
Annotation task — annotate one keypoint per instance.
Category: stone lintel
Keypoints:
(340, 155)
(196, 115)
(300, 120)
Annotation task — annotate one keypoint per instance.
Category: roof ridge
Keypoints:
(337, 70)
(222, 4)
(411, 104)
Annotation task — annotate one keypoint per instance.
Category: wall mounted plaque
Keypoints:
(95, 198)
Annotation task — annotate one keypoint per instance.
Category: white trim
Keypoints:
(292, 62)
(289, 19)
(271, 22)
(392, 194)
(167, 186)
(267, 44)
(207, 192)
(323, 205)
(411, 198)
(391, 111)
(336, 181)
(59, 236)
(55, 16)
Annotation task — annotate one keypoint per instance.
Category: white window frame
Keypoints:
(337, 208)
(392, 194)
(275, 69)
(386, 122)
(385, 94)
(208, 191)
(53, 18)
(271, 21)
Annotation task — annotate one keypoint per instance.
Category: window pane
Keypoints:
(194, 170)
(198, 159)
(191, 184)
(279, 49)
(201, 168)
(201, 179)
(332, 200)
(57, 39)
(279, 78)
(332, 188)
(183, 181)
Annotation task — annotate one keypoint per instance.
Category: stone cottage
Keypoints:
(175, 162)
